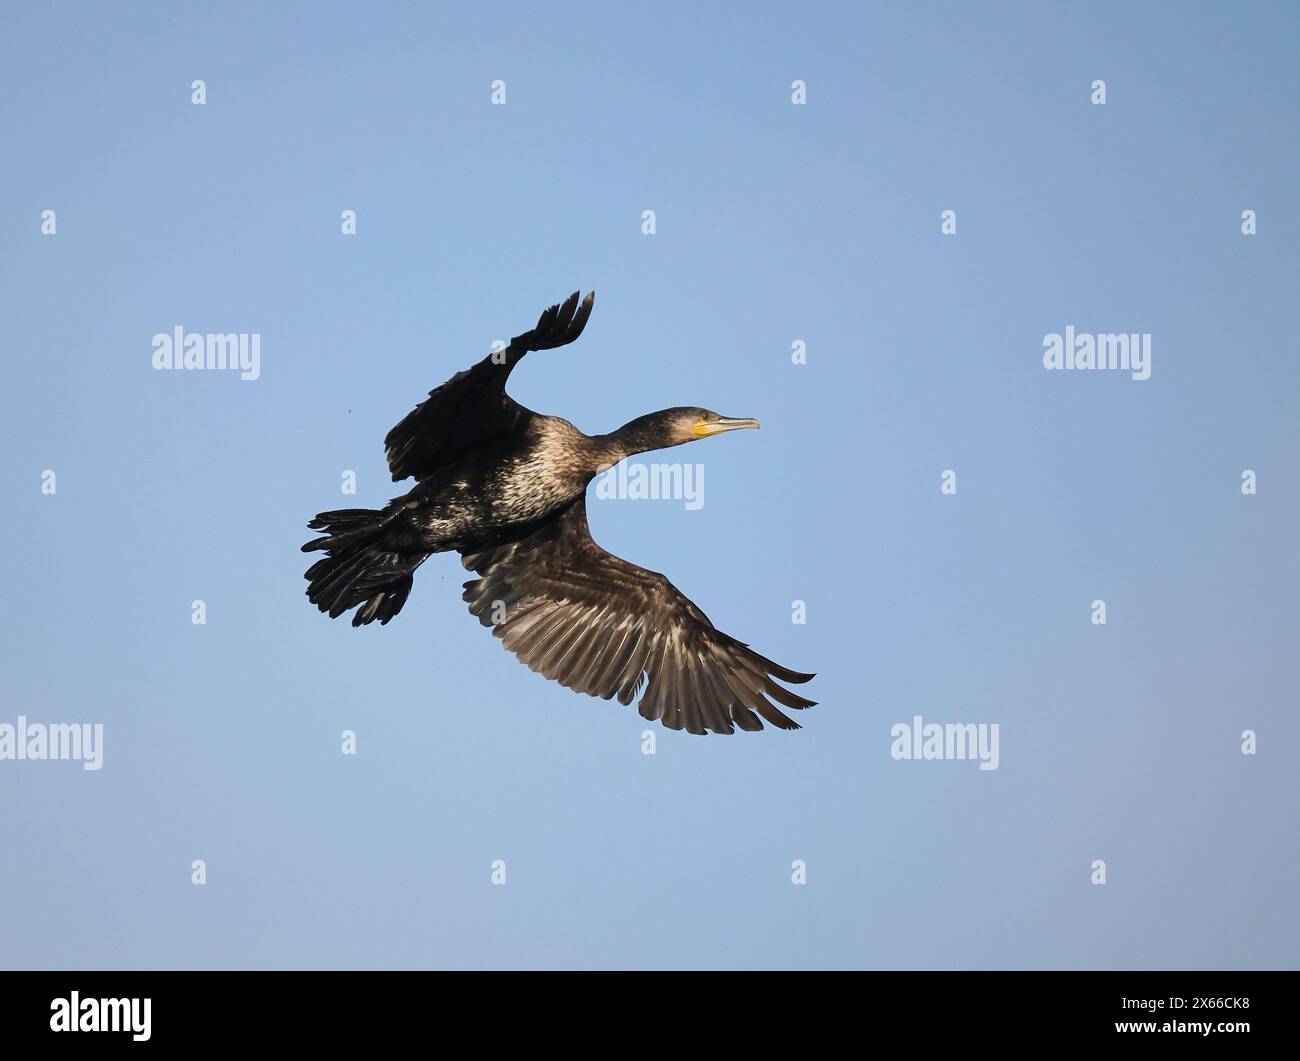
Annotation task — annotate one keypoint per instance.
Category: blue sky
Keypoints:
(775, 223)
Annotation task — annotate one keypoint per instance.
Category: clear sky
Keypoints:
(775, 223)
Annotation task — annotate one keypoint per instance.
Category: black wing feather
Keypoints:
(600, 625)
(473, 407)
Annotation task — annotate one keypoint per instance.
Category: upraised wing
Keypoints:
(473, 407)
(602, 626)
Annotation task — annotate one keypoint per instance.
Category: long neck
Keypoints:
(641, 435)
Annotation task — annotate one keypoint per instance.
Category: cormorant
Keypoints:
(506, 488)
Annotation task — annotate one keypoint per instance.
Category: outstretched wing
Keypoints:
(472, 407)
(602, 626)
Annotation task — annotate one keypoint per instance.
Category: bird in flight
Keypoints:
(506, 488)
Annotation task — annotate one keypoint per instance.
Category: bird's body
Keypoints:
(506, 488)
(505, 484)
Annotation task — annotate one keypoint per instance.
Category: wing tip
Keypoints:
(794, 677)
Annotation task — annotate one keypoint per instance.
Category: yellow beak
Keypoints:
(705, 428)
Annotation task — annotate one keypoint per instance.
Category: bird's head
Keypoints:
(673, 427)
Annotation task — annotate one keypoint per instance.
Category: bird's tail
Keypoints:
(359, 567)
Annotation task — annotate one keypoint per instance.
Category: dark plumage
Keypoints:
(506, 487)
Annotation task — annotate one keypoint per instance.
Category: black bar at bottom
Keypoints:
(337, 1009)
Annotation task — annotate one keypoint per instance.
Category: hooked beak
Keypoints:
(724, 423)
